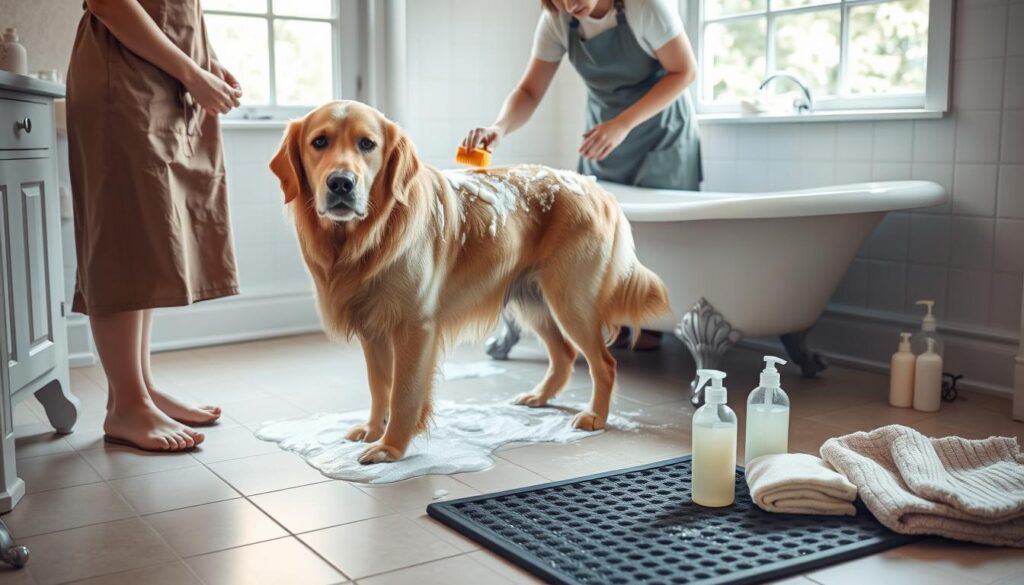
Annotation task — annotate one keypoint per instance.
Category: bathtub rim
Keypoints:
(869, 197)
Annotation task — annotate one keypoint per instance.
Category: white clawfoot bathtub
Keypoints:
(753, 264)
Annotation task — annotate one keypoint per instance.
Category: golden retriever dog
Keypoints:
(408, 259)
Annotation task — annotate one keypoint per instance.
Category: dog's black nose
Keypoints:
(341, 182)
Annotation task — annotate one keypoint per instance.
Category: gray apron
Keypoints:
(662, 152)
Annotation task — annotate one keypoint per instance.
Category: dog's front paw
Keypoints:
(367, 433)
(381, 453)
(530, 399)
(588, 421)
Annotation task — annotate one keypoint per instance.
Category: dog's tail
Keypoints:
(638, 294)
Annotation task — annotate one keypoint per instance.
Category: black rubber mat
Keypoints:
(639, 525)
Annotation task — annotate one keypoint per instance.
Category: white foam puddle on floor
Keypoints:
(460, 439)
(462, 370)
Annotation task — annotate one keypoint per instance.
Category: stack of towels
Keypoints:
(958, 488)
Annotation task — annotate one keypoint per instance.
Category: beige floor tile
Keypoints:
(984, 564)
(378, 545)
(417, 492)
(213, 527)
(251, 413)
(503, 476)
(460, 570)
(446, 534)
(11, 576)
(266, 473)
(870, 416)
(117, 462)
(95, 550)
(33, 440)
(223, 444)
(88, 432)
(176, 573)
(888, 568)
(563, 461)
(285, 560)
(504, 568)
(170, 490)
(48, 472)
(320, 505)
(979, 421)
(67, 508)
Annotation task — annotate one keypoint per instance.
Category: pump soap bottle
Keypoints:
(928, 379)
(767, 415)
(714, 445)
(901, 375)
(928, 330)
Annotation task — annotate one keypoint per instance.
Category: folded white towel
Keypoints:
(797, 483)
(952, 487)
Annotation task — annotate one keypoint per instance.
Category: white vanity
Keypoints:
(33, 343)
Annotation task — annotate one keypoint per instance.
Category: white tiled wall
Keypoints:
(968, 255)
(464, 58)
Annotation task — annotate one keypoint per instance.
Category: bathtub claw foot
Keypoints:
(811, 362)
(499, 346)
(708, 336)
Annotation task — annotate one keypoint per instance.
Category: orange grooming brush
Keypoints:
(477, 157)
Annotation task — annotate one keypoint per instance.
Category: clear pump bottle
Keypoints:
(767, 415)
(918, 342)
(714, 445)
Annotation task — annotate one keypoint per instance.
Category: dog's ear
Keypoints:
(287, 163)
(401, 163)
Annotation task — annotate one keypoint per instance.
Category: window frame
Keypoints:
(344, 82)
(935, 97)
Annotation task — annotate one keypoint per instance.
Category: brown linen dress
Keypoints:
(147, 173)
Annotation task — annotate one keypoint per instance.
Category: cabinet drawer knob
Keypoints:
(25, 125)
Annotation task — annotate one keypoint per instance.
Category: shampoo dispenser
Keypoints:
(901, 375)
(928, 331)
(928, 379)
(767, 415)
(714, 445)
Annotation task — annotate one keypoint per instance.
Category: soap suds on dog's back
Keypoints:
(461, 438)
(506, 190)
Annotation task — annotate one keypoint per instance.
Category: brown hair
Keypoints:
(549, 6)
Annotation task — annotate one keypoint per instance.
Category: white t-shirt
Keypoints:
(653, 22)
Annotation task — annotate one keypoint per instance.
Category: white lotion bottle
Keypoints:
(928, 330)
(928, 380)
(714, 445)
(901, 374)
(767, 415)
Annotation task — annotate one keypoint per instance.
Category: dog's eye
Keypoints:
(366, 145)
(320, 142)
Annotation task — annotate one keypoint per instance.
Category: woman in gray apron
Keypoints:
(641, 127)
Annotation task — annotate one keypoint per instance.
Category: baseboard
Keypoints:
(245, 317)
(865, 339)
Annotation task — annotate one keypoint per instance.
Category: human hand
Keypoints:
(486, 138)
(213, 92)
(222, 72)
(601, 140)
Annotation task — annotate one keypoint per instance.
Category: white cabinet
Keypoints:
(33, 343)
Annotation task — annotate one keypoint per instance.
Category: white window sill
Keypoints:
(241, 124)
(821, 116)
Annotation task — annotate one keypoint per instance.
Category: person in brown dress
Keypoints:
(144, 91)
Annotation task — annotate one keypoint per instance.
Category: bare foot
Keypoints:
(147, 427)
(184, 412)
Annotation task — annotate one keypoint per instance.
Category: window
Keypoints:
(285, 54)
(852, 54)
